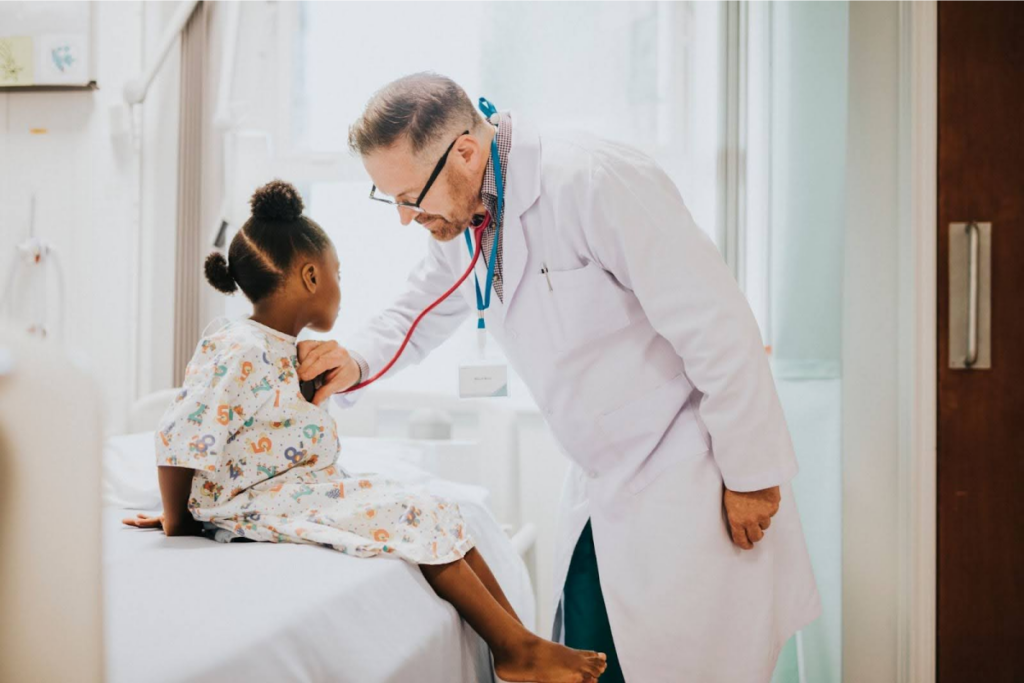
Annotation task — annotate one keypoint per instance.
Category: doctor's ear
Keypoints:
(309, 277)
(469, 149)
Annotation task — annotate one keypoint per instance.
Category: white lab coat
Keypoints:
(648, 365)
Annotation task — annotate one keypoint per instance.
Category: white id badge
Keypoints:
(484, 377)
(483, 380)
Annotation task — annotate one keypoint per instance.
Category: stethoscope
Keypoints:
(483, 300)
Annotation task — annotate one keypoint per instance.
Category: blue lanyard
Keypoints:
(483, 301)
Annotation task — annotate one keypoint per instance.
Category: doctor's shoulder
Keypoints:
(566, 162)
(570, 147)
(578, 160)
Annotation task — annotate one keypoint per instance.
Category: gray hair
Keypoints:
(424, 107)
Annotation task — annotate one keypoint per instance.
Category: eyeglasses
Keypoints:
(430, 181)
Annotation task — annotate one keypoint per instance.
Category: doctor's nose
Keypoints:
(406, 215)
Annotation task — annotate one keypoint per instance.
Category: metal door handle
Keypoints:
(973, 251)
(970, 295)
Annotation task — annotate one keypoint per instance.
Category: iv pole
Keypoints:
(31, 253)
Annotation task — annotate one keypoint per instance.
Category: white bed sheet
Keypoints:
(191, 609)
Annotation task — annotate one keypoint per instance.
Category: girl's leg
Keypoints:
(479, 565)
(518, 654)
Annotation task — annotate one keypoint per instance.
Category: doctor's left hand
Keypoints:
(750, 514)
(317, 357)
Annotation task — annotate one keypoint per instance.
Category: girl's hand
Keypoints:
(142, 521)
(187, 527)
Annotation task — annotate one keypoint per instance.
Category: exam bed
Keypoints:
(194, 609)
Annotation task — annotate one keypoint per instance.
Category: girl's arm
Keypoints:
(204, 418)
(175, 489)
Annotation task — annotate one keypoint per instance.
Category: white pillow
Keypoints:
(129, 472)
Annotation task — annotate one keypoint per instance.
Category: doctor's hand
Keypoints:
(317, 357)
(750, 514)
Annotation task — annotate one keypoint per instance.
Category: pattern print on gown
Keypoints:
(266, 459)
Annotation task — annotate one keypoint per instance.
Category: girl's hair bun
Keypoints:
(276, 201)
(218, 274)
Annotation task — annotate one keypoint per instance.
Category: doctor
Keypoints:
(680, 551)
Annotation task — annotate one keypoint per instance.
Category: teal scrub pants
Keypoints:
(585, 617)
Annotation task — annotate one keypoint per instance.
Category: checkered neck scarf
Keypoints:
(489, 194)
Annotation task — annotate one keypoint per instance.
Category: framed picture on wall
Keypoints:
(46, 45)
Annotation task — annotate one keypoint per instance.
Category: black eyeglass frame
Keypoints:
(430, 181)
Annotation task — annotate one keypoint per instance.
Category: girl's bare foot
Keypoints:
(541, 661)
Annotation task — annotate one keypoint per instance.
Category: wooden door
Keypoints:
(981, 411)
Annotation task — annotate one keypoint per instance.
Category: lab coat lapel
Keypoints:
(522, 188)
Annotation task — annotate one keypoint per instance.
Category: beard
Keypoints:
(447, 228)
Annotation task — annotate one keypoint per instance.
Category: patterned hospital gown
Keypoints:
(266, 459)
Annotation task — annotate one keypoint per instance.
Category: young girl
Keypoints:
(241, 448)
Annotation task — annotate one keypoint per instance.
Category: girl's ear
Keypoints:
(309, 277)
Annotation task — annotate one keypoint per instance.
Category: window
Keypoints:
(644, 73)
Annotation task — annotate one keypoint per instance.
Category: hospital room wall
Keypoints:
(73, 151)
(106, 180)
(158, 120)
(874, 273)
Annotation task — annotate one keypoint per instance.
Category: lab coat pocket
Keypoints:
(655, 431)
(587, 304)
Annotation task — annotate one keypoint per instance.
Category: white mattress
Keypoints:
(191, 609)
